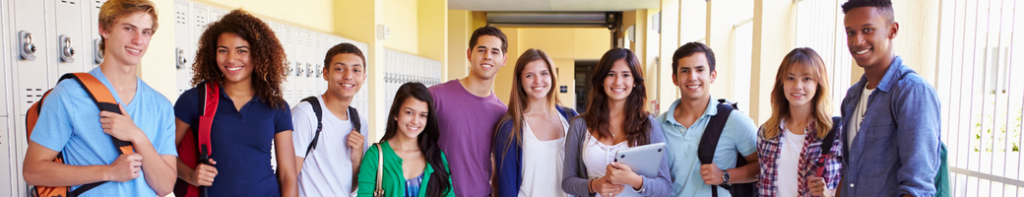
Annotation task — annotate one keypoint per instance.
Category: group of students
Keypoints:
(459, 139)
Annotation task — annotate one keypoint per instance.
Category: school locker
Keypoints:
(67, 38)
(91, 50)
(7, 186)
(30, 72)
(7, 179)
(184, 48)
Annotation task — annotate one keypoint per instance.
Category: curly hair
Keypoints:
(267, 55)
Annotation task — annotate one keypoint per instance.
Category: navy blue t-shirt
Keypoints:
(240, 142)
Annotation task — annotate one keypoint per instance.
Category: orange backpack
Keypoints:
(105, 101)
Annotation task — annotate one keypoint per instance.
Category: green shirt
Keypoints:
(393, 179)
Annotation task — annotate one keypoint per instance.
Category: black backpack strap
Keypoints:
(709, 140)
(353, 116)
(313, 101)
(830, 138)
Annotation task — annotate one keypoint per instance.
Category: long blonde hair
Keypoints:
(822, 111)
(518, 99)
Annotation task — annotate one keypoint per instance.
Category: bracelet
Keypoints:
(590, 186)
(643, 187)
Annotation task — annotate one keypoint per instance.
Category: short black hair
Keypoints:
(883, 6)
(491, 31)
(343, 48)
(689, 49)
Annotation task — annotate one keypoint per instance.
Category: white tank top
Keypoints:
(542, 163)
(597, 156)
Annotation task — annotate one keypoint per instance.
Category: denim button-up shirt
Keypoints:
(896, 149)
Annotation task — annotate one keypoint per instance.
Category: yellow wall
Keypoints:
(774, 26)
(668, 41)
(400, 16)
(433, 31)
(459, 23)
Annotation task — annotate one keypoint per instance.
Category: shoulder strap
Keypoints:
(709, 140)
(105, 101)
(378, 191)
(353, 116)
(712, 133)
(211, 98)
(315, 103)
(827, 143)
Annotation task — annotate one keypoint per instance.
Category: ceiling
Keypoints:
(552, 5)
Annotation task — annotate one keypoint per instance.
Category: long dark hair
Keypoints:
(636, 126)
(267, 55)
(427, 140)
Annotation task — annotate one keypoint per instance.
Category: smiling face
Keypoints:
(536, 79)
(800, 85)
(233, 58)
(128, 38)
(412, 117)
(618, 82)
(345, 75)
(486, 57)
(694, 77)
(869, 36)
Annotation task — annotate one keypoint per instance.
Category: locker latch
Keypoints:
(180, 59)
(287, 68)
(298, 69)
(97, 53)
(309, 70)
(27, 49)
(319, 70)
(67, 51)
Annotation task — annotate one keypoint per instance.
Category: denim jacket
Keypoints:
(896, 149)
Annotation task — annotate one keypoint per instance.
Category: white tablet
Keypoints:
(644, 160)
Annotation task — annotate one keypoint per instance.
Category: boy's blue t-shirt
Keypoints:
(239, 142)
(70, 121)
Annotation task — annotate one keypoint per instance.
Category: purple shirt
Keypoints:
(467, 124)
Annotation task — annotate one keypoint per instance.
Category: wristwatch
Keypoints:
(725, 177)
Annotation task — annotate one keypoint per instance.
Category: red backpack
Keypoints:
(105, 101)
(195, 145)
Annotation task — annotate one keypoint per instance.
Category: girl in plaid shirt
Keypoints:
(789, 144)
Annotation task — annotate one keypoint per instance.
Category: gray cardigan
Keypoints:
(574, 174)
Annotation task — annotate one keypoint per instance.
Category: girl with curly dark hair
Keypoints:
(242, 56)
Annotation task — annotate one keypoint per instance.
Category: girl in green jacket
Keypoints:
(413, 165)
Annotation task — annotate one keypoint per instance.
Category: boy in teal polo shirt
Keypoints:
(693, 70)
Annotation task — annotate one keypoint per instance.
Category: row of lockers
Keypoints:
(305, 50)
(400, 68)
(42, 39)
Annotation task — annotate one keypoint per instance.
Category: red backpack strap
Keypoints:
(212, 99)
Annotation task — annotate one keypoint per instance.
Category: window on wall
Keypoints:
(819, 25)
(743, 44)
(979, 57)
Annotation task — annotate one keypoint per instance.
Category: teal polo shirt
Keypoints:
(739, 135)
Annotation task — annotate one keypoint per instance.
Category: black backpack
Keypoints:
(353, 116)
(709, 142)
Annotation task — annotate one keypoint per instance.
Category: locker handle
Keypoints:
(67, 50)
(180, 57)
(28, 48)
(98, 54)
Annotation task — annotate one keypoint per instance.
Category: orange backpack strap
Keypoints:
(104, 100)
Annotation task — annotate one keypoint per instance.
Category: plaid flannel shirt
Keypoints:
(768, 153)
